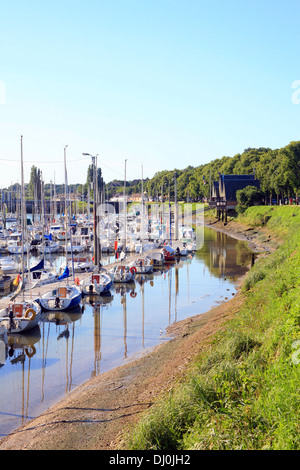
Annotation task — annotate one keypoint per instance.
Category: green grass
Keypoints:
(244, 393)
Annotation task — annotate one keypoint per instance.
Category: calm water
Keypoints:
(67, 349)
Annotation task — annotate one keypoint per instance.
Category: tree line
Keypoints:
(277, 170)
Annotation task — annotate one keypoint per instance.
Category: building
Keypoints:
(223, 195)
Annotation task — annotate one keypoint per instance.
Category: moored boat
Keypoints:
(61, 298)
(169, 253)
(122, 273)
(20, 317)
(142, 265)
(96, 284)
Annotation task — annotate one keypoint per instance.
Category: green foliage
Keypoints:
(243, 393)
(247, 197)
(277, 170)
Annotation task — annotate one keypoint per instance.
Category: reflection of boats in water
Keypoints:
(124, 287)
(62, 318)
(141, 278)
(96, 300)
(18, 347)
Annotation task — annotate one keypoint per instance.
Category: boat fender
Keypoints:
(77, 282)
(133, 269)
(33, 313)
(132, 294)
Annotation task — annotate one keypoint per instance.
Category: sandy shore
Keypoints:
(96, 414)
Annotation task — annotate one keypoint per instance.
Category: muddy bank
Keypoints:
(258, 239)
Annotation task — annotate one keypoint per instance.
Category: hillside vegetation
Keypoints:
(278, 171)
(243, 393)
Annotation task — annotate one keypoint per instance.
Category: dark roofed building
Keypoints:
(224, 190)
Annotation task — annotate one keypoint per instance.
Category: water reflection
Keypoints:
(68, 348)
(223, 255)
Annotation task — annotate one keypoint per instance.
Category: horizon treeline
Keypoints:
(278, 171)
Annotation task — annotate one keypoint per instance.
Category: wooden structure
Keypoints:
(223, 192)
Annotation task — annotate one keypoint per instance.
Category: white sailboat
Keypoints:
(143, 265)
(64, 297)
(23, 315)
(96, 284)
(122, 273)
(20, 317)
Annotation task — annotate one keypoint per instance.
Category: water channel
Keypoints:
(65, 350)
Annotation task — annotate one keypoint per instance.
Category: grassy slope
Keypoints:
(243, 393)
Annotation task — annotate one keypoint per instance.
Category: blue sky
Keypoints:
(162, 83)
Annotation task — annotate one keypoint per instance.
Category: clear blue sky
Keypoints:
(161, 83)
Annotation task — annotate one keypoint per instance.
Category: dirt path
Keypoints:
(95, 415)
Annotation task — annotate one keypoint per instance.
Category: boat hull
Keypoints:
(54, 301)
(93, 285)
(18, 323)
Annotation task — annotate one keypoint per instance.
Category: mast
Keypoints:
(125, 211)
(66, 217)
(142, 224)
(22, 207)
(66, 207)
(54, 200)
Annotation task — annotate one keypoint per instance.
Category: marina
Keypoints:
(67, 348)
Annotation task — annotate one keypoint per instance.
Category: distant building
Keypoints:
(224, 190)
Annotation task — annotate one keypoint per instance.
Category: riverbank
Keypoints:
(242, 393)
(94, 415)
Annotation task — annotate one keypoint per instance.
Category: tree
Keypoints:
(247, 197)
(35, 183)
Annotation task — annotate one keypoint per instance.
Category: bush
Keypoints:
(247, 197)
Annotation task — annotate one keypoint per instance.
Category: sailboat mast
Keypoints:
(125, 211)
(22, 207)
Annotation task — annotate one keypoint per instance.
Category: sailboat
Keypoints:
(65, 297)
(96, 284)
(23, 315)
(20, 317)
(61, 299)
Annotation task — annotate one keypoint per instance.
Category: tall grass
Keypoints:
(244, 392)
